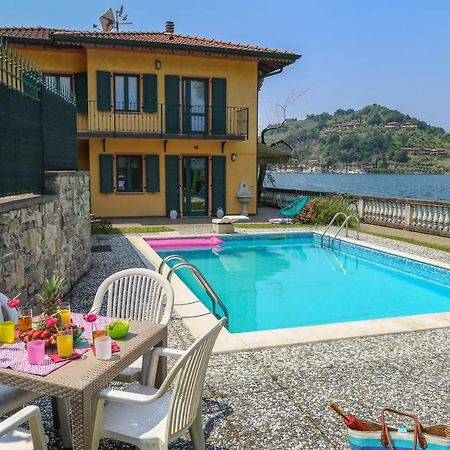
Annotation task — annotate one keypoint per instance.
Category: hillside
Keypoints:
(376, 138)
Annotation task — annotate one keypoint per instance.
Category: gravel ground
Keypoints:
(276, 398)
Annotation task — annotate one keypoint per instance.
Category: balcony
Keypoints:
(167, 122)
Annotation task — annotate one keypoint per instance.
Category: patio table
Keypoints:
(81, 379)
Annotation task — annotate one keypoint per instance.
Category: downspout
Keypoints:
(263, 167)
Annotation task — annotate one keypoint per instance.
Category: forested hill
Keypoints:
(376, 137)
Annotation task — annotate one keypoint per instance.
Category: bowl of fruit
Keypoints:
(117, 329)
(49, 335)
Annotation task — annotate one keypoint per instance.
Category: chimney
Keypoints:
(170, 27)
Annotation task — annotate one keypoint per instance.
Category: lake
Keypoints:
(429, 187)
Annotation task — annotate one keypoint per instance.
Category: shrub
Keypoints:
(320, 210)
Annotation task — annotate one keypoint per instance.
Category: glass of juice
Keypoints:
(64, 313)
(7, 331)
(64, 343)
(25, 319)
(97, 333)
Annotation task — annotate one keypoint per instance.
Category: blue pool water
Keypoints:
(290, 281)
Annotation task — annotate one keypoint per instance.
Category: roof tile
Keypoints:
(155, 37)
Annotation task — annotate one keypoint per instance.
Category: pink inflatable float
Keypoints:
(209, 241)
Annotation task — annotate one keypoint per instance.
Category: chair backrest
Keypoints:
(7, 313)
(189, 374)
(137, 294)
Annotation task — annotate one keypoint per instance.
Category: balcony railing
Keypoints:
(167, 121)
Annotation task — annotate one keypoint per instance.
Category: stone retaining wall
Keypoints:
(46, 234)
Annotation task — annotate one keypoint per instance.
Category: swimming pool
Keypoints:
(282, 281)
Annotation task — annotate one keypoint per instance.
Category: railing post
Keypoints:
(361, 207)
(408, 214)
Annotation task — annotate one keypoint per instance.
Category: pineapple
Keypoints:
(49, 295)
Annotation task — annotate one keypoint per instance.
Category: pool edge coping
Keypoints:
(197, 318)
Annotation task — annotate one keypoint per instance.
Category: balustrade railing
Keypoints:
(425, 216)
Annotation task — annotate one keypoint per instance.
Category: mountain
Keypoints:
(375, 137)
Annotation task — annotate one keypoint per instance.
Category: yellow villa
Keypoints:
(165, 122)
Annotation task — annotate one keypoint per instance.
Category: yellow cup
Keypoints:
(64, 345)
(7, 332)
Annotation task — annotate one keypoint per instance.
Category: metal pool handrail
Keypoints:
(200, 278)
(345, 223)
(170, 258)
(340, 213)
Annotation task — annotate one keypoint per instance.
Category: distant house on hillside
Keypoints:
(165, 121)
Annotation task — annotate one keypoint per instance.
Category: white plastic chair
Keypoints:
(150, 418)
(7, 313)
(137, 294)
(11, 398)
(13, 437)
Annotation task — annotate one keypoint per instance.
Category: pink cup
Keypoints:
(36, 352)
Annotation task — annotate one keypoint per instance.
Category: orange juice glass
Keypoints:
(64, 313)
(25, 319)
(97, 333)
(64, 344)
(7, 332)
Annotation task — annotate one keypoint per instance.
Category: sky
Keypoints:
(354, 52)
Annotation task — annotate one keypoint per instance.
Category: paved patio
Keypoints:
(276, 398)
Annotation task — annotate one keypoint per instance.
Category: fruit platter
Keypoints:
(49, 335)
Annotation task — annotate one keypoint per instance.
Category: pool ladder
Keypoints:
(199, 277)
(344, 224)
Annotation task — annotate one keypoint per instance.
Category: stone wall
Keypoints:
(42, 235)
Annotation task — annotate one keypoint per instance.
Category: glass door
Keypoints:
(195, 186)
(195, 106)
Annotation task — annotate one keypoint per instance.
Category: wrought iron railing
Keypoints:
(23, 76)
(130, 118)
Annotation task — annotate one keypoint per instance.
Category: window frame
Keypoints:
(126, 101)
(116, 173)
(58, 81)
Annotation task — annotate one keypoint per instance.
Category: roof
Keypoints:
(272, 155)
(269, 59)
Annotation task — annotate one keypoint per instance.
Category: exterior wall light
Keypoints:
(233, 157)
(157, 64)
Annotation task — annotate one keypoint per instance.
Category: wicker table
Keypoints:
(80, 380)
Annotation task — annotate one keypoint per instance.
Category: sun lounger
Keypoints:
(225, 225)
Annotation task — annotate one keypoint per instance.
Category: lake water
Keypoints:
(429, 187)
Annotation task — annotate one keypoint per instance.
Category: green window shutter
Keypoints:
(219, 195)
(81, 92)
(150, 94)
(103, 91)
(152, 173)
(172, 184)
(106, 173)
(172, 104)
(219, 106)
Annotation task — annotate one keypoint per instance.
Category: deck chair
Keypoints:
(225, 225)
(150, 418)
(294, 208)
(13, 437)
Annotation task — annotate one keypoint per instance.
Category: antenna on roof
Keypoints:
(110, 21)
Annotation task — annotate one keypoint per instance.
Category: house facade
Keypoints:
(165, 122)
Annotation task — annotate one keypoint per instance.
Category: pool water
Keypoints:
(278, 281)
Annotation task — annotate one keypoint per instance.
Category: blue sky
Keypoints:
(355, 52)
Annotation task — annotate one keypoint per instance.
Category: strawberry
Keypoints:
(36, 335)
(46, 334)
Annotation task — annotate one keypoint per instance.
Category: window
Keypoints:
(126, 93)
(60, 82)
(129, 173)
